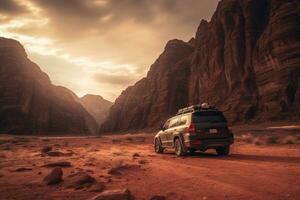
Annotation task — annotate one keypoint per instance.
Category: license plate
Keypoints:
(213, 131)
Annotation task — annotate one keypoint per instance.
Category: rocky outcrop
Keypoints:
(158, 95)
(29, 103)
(246, 61)
(97, 106)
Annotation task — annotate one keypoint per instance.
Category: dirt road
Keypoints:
(250, 172)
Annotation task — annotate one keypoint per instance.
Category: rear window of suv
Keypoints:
(208, 117)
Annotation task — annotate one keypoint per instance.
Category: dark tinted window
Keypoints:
(208, 117)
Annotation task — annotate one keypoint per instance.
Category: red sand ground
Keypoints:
(250, 172)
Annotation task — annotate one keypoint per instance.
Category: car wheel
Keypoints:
(223, 151)
(157, 146)
(179, 150)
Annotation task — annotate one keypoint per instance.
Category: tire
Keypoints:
(179, 150)
(157, 146)
(223, 151)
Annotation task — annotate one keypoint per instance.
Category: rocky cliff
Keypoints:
(30, 104)
(246, 61)
(97, 106)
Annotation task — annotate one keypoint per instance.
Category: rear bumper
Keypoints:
(208, 143)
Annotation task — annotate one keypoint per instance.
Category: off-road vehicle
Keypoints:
(199, 127)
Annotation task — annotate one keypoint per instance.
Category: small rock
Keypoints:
(98, 187)
(121, 194)
(109, 180)
(158, 197)
(46, 149)
(135, 155)
(54, 177)
(55, 153)
(21, 169)
(79, 179)
(142, 162)
(118, 167)
(58, 164)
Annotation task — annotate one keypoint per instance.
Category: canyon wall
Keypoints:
(30, 104)
(246, 61)
(97, 106)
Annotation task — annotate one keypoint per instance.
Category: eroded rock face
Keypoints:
(158, 95)
(29, 103)
(97, 106)
(246, 61)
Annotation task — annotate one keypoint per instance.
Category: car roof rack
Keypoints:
(193, 108)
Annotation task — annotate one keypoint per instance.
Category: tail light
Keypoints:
(191, 129)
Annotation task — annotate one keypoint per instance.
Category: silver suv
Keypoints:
(198, 127)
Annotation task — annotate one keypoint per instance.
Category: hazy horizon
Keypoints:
(100, 46)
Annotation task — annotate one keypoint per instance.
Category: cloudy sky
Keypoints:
(99, 46)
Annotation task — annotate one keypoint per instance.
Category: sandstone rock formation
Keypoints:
(97, 106)
(30, 104)
(54, 177)
(246, 61)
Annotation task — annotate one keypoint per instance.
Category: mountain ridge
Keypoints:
(31, 104)
(97, 106)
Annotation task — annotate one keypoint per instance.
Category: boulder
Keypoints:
(46, 149)
(54, 177)
(97, 187)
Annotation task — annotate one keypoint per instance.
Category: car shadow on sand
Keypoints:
(243, 157)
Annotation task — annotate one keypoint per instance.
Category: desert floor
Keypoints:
(258, 167)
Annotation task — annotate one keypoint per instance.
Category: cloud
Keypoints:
(115, 79)
(11, 7)
(99, 46)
